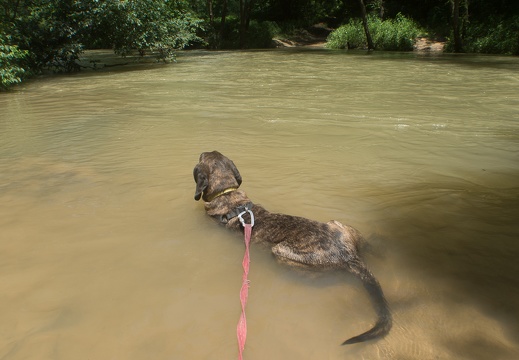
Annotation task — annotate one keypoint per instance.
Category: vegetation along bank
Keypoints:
(43, 35)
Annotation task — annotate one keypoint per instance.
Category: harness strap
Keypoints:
(224, 219)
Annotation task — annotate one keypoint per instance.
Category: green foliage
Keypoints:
(55, 31)
(302, 12)
(396, 34)
(349, 36)
(260, 34)
(11, 58)
(149, 25)
(49, 31)
(231, 37)
(495, 36)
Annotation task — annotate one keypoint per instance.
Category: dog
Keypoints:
(293, 240)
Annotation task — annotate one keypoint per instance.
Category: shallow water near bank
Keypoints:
(106, 255)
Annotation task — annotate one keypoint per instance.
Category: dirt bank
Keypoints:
(316, 37)
(426, 44)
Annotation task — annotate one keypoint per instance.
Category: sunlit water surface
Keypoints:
(105, 254)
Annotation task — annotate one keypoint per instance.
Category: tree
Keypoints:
(369, 40)
(211, 13)
(55, 32)
(458, 46)
(222, 23)
(48, 30)
(245, 12)
(145, 25)
(10, 58)
(459, 21)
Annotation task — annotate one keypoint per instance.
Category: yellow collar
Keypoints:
(228, 190)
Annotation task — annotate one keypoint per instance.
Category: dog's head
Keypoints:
(214, 174)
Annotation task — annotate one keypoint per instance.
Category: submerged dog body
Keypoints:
(294, 240)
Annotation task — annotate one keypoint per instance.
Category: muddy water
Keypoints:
(105, 254)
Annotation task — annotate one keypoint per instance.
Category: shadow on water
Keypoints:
(477, 347)
(463, 60)
(468, 239)
(474, 61)
(106, 62)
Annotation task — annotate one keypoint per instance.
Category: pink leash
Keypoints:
(241, 329)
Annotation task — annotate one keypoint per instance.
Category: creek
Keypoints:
(105, 254)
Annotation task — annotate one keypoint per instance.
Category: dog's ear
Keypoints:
(201, 181)
(236, 173)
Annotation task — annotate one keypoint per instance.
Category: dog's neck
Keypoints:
(227, 207)
(228, 190)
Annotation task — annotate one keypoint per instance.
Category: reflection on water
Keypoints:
(106, 255)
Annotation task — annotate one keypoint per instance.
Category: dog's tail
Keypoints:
(384, 321)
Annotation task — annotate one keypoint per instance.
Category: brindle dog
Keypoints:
(294, 240)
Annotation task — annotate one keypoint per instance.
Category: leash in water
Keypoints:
(241, 329)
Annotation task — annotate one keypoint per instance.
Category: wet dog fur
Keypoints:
(293, 240)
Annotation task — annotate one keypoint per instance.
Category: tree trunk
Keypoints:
(222, 23)
(365, 24)
(465, 21)
(243, 22)
(245, 10)
(382, 10)
(211, 14)
(456, 28)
